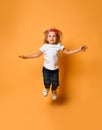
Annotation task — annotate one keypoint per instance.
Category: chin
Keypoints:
(52, 42)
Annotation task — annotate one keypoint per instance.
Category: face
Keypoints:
(51, 37)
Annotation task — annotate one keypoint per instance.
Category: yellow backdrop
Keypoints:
(79, 105)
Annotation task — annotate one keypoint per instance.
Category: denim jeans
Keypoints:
(51, 77)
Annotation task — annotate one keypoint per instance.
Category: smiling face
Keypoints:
(52, 37)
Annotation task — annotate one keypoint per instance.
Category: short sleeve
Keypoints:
(42, 48)
(61, 47)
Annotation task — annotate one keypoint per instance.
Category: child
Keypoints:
(51, 47)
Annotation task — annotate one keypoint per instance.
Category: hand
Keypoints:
(83, 48)
(23, 57)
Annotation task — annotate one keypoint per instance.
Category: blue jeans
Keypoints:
(51, 77)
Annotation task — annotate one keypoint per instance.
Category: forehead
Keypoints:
(51, 33)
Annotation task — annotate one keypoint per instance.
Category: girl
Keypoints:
(51, 47)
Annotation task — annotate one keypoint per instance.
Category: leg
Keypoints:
(47, 81)
(55, 83)
(46, 77)
(55, 79)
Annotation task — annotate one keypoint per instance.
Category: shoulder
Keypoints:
(59, 44)
(43, 47)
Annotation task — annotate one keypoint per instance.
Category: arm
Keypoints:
(82, 48)
(35, 55)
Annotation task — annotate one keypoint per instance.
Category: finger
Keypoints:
(85, 48)
(20, 56)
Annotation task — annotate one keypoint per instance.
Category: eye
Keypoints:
(49, 35)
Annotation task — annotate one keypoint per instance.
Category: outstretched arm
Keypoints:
(69, 52)
(34, 55)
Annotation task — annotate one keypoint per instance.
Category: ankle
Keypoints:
(45, 92)
(54, 94)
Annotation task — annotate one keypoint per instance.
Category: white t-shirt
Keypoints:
(50, 52)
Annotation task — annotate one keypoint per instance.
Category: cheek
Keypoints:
(55, 38)
(48, 38)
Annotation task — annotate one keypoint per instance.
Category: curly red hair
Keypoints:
(57, 32)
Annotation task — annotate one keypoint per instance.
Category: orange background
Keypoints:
(79, 105)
